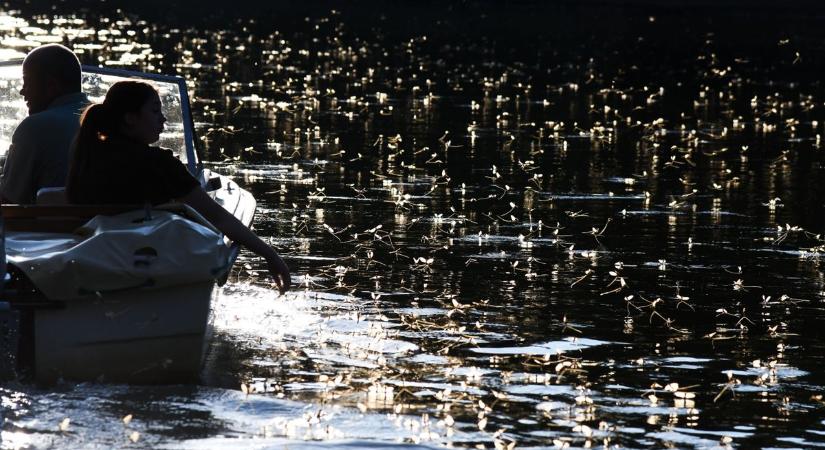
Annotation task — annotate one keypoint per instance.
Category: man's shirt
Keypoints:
(40, 147)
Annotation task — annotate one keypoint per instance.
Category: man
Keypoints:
(40, 147)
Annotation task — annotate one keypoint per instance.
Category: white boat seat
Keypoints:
(51, 196)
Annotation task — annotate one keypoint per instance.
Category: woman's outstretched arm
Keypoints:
(229, 225)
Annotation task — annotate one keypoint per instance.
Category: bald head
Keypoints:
(49, 71)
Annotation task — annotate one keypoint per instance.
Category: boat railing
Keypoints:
(56, 218)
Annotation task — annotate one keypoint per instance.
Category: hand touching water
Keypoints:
(280, 273)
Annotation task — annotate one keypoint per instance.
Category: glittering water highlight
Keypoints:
(604, 240)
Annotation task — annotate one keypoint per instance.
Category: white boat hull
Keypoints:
(137, 336)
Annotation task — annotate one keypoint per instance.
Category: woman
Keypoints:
(114, 163)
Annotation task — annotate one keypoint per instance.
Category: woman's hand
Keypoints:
(280, 272)
(238, 232)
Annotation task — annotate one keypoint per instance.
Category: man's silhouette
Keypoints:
(39, 152)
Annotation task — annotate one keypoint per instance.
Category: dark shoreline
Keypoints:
(418, 13)
(518, 29)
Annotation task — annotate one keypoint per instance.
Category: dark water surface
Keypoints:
(509, 226)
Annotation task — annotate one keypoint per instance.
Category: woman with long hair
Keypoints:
(114, 162)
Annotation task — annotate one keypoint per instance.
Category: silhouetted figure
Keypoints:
(39, 152)
(113, 162)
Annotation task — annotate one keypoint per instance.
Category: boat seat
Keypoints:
(52, 196)
(56, 218)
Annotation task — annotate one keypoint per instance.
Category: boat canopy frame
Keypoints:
(190, 149)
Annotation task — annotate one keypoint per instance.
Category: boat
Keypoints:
(114, 293)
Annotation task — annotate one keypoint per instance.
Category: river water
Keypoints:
(509, 227)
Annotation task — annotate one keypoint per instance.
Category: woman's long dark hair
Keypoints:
(101, 122)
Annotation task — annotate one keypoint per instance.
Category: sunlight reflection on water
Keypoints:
(569, 245)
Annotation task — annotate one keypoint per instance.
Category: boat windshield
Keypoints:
(96, 82)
